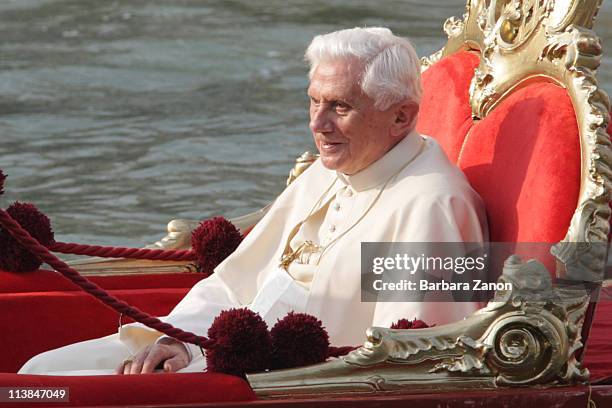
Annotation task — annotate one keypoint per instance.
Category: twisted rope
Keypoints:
(120, 252)
(120, 306)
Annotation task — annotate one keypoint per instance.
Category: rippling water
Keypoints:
(116, 117)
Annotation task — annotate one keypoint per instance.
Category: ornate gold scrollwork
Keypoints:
(548, 40)
(301, 164)
(531, 334)
(525, 336)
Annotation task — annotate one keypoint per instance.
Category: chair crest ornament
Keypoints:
(521, 42)
(301, 164)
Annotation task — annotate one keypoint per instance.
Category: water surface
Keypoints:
(116, 117)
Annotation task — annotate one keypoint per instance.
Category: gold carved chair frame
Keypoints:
(530, 335)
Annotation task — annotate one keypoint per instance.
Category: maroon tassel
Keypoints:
(13, 256)
(241, 343)
(404, 324)
(298, 340)
(213, 241)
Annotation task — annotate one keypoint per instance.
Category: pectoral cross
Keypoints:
(302, 254)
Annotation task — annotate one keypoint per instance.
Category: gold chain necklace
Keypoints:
(290, 255)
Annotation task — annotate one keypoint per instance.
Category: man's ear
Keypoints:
(405, 116)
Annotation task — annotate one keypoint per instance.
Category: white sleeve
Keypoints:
(197, 310)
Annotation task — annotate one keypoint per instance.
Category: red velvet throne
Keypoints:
(513, 100)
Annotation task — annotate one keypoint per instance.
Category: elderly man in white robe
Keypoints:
(377, 180)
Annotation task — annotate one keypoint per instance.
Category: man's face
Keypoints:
(350, 133)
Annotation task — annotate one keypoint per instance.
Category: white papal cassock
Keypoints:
(412, 194)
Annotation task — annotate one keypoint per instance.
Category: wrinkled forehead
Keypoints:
(336, 77)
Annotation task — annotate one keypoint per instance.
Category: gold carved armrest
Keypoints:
(528, 335)
(178, 237)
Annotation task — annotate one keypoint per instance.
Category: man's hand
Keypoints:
(167, 351)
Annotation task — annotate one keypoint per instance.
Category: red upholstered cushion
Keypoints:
(146, 389)
(50, 281)
(598, 356)
(445, 112)
(524, 161)
(42, 321)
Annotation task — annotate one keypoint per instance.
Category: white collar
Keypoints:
(383, 168)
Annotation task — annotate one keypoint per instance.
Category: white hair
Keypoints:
(392, 71)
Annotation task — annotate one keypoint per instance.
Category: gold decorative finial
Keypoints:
(301, 164)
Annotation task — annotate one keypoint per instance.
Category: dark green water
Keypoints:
(116, 117)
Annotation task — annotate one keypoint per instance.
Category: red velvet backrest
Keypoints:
(445, 111)
(523, 158)
(524, 161)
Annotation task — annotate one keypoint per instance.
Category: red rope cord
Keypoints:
(120, 252)
(120, 306)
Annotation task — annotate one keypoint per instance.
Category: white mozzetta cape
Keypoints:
(429, 200)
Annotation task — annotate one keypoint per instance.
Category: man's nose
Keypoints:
(320, 121)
